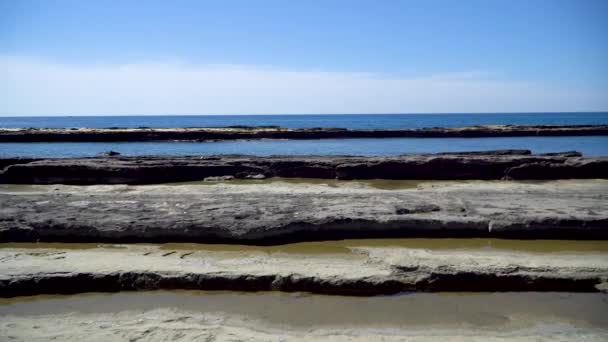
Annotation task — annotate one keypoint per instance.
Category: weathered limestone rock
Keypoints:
(150, 170)
(281, 212)
(368, 271)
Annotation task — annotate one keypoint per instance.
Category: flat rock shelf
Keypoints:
(275, 132)
(365, 270)
(277, 212)
(502, 164)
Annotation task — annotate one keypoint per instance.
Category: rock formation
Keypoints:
(510, 164)
(244, 132)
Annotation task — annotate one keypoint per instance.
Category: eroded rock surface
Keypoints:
(281, 212)
(368, 271)
(510, 164)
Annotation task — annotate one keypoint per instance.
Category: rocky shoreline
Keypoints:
(274, 132)
(489, 165)
(117, 199)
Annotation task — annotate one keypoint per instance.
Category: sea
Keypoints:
(588, 145)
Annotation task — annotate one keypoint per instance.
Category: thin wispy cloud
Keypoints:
(39, 87)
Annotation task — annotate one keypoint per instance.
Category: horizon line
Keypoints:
(301, 114)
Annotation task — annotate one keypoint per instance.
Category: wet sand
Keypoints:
(305, 310)
(301, 316)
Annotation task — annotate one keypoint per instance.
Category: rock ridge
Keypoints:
(274, 132)
(268, 214)
(372, 271)
(489, 165)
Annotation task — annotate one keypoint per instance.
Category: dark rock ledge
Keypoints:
(510, 164)
(133, 281)
(232, 133)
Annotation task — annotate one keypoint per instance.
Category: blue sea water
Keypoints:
(352, 121)
(590, 146)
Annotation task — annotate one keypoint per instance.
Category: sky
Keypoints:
(129, 57)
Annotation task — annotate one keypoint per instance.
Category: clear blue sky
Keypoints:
(499, 49)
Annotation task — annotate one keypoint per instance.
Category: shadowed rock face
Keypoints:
(510, 164)
(280, 213)
(233, 133)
